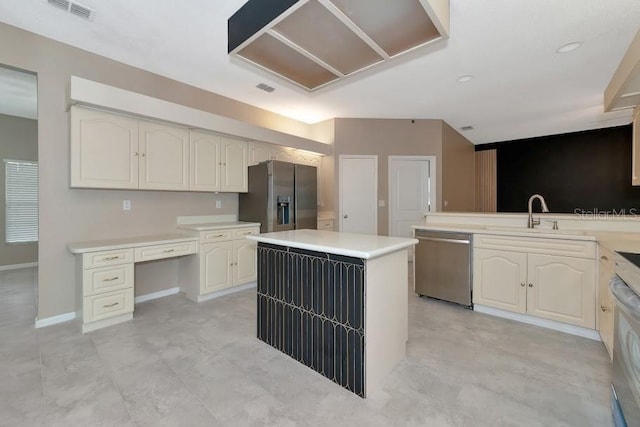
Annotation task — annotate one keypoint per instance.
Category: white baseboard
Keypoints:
(227, 291)
(18, 266)
(156, 295)
(536, 321)
(54, 320)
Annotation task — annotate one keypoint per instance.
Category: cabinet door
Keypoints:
(205, 162)
(234, 176)
(259, 152)
(164, 157)
(562, 289)
(104, 150)
(499, 279)
(216, 266)
(244, 252)
(605, 306)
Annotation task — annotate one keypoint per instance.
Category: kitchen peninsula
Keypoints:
(335, 302)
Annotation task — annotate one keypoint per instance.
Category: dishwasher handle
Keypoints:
(443, 240)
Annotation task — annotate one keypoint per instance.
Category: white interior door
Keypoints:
(358, 192)
(411, 192)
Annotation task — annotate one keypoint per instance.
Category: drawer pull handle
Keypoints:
(169, 251)
(604, 258)
(604, 308)
(218, 235)
(110, 305)
(111, 258)
(246, 233)
(111, 279)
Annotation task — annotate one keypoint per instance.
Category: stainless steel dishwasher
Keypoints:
(443, 266)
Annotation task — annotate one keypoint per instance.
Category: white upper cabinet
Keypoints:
(205, 161)
(104, 150)
(164, 157)
(113, 151)
(218, 163)
(234, 172)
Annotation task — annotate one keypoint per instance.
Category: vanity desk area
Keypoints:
(215, 259)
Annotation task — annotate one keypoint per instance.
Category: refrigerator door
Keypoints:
(306, 197)
(281, 196)
(254, 205)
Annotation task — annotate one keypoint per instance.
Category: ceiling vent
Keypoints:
(73, 8)
(313, 43)
(266, 87)
(465, 128)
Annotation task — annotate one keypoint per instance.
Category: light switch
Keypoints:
(126, 205)
(218, 204)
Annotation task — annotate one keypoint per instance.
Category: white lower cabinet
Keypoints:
(554, 287)
(606, 307)
(230, 260)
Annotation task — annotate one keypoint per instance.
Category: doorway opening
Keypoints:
(18, 197)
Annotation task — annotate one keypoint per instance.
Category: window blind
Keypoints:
(21, 201)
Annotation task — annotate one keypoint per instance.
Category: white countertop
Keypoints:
(218, 225)
(545, 233)
(128, 242)
(363, 246)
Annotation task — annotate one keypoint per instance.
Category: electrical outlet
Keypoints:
(126, 205)
(218, 204)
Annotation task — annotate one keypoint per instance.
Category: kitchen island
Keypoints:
(335, 302)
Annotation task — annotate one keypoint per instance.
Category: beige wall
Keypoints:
(458, 171)
(68, 215)
(387, 137)
(18, 141)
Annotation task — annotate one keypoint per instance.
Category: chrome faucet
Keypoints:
(533, 222)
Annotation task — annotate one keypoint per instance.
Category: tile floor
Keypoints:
(184, 364)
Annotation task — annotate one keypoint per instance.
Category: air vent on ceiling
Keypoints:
(466, 128)
(266, 87)
(74, 8)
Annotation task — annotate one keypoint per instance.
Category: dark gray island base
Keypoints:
(311, 307)
(335, 302)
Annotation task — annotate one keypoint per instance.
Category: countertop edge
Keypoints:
(587, 236)
(125, 243)
(217, 226)
(336, 251)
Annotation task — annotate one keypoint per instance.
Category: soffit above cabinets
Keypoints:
(313, 43)
(624, 89)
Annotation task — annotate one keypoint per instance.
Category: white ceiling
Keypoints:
(522, 88)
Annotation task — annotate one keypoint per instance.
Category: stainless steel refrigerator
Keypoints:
(282, 196)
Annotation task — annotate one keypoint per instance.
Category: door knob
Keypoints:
(346, 216)
(522, 284)
(531, 285)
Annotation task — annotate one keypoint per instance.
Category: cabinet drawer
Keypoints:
(150, 253)
(107, 258)
(212, 236)
(544, 246)
(241, 233)
(103, 306)
(107, 279)
(326, 224)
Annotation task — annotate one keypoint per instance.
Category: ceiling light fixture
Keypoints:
(465, 78)
(569, 47)
(315, 42)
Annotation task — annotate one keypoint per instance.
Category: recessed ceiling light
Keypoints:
(465, 78)
(568, 47)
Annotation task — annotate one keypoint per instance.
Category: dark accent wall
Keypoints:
(585, 171)
(252, 17)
